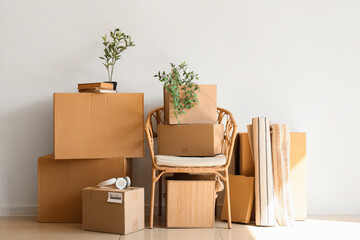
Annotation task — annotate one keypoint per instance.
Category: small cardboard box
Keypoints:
(113, 210)
(92, 125)
(297, 169)
(190, 204)
(60, 184)
(190, 139)
(204, 112)
(241, 199)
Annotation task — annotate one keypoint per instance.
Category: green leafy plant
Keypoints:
(113, 48)
(177, 81)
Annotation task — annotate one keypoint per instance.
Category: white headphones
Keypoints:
(120, 182)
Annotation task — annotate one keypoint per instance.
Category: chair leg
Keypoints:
(160, 197)
(153, 182)
(228, 198)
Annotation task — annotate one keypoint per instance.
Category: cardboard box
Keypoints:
(92, 125)
(60, 184)
(246, 162)
(204, 112)
(297, 169)
(298, 174)
(113, 210)
(241, 199)
(190, 139)
(190, 204)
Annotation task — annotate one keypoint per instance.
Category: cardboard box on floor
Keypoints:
(190, 204)
(92, 125)
(113, 210)
(60, 184)
(204, 112)
(241, 198)
(298, 174)
(297, 169)
(190, 139)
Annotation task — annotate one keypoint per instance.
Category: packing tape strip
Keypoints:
(108, 182)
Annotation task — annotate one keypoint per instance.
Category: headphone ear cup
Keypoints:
(121, 183)
(128, 180)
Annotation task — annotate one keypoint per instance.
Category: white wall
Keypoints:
(296, 62)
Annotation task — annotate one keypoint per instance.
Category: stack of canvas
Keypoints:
(281, 182)
(95, 135)
(264, 180)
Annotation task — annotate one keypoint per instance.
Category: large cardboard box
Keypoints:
(92, 125)
(297, 169)
(241, 199)
(204, 112)
(246, 162)
(113, 210)
(190, 204)
(298, 174)
(60, 184)
(190, 139)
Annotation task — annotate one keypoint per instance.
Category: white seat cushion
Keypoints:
(174, 161)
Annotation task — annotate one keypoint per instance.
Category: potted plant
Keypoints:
(113, 49)
(181, 85)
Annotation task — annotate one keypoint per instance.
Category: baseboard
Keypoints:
(18, 211)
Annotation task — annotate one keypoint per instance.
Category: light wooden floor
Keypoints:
(341, 227)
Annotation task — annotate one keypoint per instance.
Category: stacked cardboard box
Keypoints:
(191, 203)
(60, 184)
(95, 135)
(198, 133)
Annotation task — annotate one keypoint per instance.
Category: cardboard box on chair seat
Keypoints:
(204, 112)
(113, 210)
(60, 184)
(92, 125)
(190, 139)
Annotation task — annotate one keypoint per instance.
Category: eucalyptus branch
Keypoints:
(113, 49)
(177, 81)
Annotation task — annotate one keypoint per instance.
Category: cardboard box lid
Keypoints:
(60, 184)
(91, 125)
(190, 139)
(112, 189)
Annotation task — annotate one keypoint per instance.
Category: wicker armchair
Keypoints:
(156, 117)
